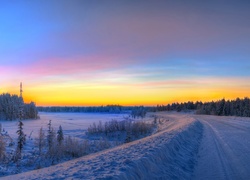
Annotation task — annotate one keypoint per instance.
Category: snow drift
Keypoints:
(169, 154)
(170, 158)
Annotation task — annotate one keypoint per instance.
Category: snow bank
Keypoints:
(173, 159)
(170, 154)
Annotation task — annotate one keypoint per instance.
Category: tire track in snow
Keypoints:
(225, 167)
(224, 151)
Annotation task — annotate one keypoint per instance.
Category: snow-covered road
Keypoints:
(224, 152)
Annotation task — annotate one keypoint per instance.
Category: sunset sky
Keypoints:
(125, 52)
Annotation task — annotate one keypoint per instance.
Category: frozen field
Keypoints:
(72, 123)
(186, 147)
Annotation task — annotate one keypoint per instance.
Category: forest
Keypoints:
(90, 109)
(12, 107)
(237, 107)
(136, 111)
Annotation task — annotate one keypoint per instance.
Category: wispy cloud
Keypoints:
(128, 50)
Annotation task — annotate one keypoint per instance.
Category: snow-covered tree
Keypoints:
(20, 140)
(12, 107)
(31, 111)
(60, 136)
(41, 140)
(51, 138)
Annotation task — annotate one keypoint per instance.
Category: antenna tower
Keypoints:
(21, 90)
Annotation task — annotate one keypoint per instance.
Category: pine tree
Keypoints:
(20, 141)
(60, 136)
(41, 140)
(50, 136)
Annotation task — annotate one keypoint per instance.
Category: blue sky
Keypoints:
(81, 43)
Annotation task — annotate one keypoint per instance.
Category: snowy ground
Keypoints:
(72, 123)
(186, 147)
(225, 148)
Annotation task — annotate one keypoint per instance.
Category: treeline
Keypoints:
(12, 107)
(90, 109)
(237, 107)
(96, 109)
(178, 106)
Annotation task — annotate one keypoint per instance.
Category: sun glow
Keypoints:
(75, 94)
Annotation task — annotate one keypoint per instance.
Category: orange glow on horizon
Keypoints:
(74, 94)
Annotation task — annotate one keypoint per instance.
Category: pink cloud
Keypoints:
(66, 66)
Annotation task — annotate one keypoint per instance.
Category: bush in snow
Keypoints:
(138, 112)
(40, 141)
(75, 148)
(101, 144)
(132, 129)
(2, 147)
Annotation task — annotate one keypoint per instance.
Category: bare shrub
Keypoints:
(132, 129)
(2, 147)
(100, 127)
(92, 129)
(40, 141)
(74, 148)
(103, 144)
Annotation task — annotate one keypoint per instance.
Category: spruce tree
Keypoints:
(20, 140)
(50, 135)
(60, 135)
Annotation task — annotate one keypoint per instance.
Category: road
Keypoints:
(224, 151)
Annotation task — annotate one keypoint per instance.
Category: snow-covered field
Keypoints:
(72, 123)
(75, 126)
(186, 146)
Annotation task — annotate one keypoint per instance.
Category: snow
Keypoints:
(71, 123)
(224, 150)
(186, 146)
(132, 160)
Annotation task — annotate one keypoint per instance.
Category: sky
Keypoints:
(142, 52)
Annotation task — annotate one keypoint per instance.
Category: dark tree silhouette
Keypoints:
(20, 140)
(60, 136)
